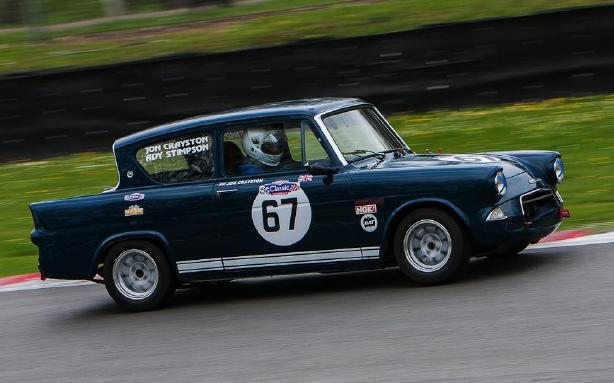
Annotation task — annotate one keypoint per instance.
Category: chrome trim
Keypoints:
(560, 197)
(116, 168)
(278, 259)
(370, 252)
(391, 129)
(537, 199)
(209, 264)
(293, 258)
(329, 138)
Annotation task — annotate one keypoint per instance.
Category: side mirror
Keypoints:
(316, 170)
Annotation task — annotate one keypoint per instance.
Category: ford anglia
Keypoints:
(317, 185)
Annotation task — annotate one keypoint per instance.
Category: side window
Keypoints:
(314, 152)
(181, 159)
(271, 148)
(264, 148)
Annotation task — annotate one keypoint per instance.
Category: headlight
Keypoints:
(559, 169)
(500, 184)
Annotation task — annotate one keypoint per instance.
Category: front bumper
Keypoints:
(528, 218)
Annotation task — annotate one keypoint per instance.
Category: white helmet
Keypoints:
(263, 145)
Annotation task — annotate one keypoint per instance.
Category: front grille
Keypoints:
(539, 203)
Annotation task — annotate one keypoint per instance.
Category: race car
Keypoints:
(316, 185)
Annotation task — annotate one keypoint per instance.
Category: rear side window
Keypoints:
(181, 159)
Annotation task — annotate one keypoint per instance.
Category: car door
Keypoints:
(283, 217)
(179, 207)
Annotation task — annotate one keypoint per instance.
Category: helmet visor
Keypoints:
(272, 143)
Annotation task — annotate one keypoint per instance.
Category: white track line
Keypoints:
(595, 239)
(38, 284)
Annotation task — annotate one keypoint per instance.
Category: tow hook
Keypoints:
(564, 213)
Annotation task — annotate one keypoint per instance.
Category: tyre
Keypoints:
(137, 276)
(431, 247)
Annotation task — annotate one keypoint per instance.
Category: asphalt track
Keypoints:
(547, 315)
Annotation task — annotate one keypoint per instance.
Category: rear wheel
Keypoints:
(137, 276)
(431, 247)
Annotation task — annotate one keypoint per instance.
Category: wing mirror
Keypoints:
(316, 170)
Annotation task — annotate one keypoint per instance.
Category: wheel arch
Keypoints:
(153, 237)
(400, 212)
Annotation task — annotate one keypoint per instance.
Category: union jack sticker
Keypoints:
(305, 178)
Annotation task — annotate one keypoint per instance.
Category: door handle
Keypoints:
(223, 192)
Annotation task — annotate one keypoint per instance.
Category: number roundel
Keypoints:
(281, 212)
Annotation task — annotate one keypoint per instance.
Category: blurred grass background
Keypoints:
(246, 24)
(580, 128)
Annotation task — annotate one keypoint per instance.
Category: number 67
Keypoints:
(266, 214)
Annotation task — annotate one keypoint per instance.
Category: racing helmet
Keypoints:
(264, 145)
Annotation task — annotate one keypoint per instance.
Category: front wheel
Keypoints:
(137, 276)
(431, 247)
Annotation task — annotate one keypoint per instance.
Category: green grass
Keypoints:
(75, 48)
(62, 11)
(580, 128)
(26, 182)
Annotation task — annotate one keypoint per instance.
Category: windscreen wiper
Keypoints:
(368, 154)
(358, 151)
(397, 150)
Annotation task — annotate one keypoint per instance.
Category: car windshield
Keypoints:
(360, 133)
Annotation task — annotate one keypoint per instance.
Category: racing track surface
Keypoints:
(546, 316)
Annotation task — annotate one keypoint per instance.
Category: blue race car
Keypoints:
(317, 185)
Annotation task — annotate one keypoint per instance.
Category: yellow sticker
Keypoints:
(133, 210)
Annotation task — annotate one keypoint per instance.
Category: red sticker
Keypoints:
(371, 201)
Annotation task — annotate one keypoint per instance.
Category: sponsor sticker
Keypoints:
(279, 188)
(366, 209)
(134, 197)
(281, 213)
(371, 201)
(368, 222)
(305, 178)
(177, 148)
(133, 210)
(241, 182)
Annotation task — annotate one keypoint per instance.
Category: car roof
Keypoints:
(311, 107)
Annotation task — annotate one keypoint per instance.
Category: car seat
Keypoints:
(233, 157)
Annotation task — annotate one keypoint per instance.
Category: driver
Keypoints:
(264, 149)
(200, 166)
